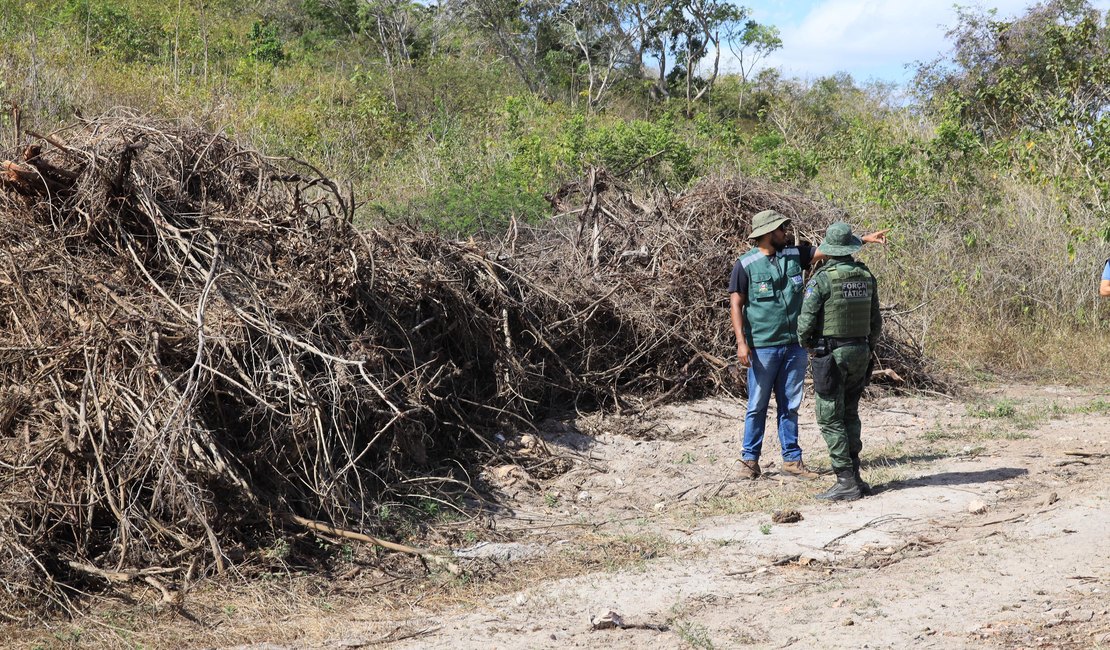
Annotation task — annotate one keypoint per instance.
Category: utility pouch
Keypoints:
(826, 376)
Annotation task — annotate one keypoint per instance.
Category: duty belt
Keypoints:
(833, 342)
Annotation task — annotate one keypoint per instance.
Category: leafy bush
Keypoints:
(112, 29)
(264, 45)
(486, 205)
(654, 149)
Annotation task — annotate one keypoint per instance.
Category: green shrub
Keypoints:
(114, 30)
(486, 205)
(786, 163)
(263, 44)
(654, 149)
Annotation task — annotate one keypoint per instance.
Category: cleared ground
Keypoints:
(990, 528)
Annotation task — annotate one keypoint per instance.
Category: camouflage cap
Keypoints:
(839, 240)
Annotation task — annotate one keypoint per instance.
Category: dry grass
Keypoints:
(766, 494)
(1027, 352)
(1012, 289)
(279, 608)
(376, 604)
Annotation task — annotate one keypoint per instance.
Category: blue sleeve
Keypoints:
(1106, 271)
(738, 281)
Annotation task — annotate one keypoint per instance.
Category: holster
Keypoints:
(826, 376)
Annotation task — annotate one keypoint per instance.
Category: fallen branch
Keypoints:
(431, 556)
(121, 575)
(1087, 454)
(874, 522)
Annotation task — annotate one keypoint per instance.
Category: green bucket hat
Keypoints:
(839, 240)
(765, 222)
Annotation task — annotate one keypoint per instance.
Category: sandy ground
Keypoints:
(988, 529)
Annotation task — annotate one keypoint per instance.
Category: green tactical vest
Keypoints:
(774, 298)
(848, 308)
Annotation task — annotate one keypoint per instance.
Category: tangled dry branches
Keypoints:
(199, 347)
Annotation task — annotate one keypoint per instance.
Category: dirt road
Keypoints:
(990, 528)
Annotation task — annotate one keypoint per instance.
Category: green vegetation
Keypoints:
(462, 116)
(1094, 407)
(693, 634)
(1003, 408)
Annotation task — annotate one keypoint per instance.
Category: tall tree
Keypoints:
(750, 43)
(608, 37)
(515, 29)
(394, 26)
(612, 40)
(1048, 68)
(696, 29)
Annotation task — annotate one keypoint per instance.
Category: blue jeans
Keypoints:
(781, 369)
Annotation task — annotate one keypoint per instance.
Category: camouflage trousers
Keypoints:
(838, 411)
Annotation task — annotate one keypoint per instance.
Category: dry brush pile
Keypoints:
(200, 348)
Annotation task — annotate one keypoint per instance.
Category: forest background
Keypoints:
(992, 169)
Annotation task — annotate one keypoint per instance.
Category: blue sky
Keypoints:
(869, 39)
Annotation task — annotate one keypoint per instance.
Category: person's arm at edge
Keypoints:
(1104, 289)
(736, 312)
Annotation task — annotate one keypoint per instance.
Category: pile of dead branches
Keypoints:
(667, 260)
(199, 348)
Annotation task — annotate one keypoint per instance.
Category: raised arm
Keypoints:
(877, 237)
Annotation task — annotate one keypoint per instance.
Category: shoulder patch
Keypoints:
(811, 286)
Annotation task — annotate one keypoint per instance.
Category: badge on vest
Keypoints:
(856, 289)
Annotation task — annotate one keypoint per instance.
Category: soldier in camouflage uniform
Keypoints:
(840, 325)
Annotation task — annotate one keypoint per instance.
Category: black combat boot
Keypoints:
(846, 488)
(864, 487)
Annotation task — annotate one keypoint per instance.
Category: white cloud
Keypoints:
(873, 38)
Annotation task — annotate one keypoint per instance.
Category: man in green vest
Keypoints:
(766, 297)
(840, 323)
